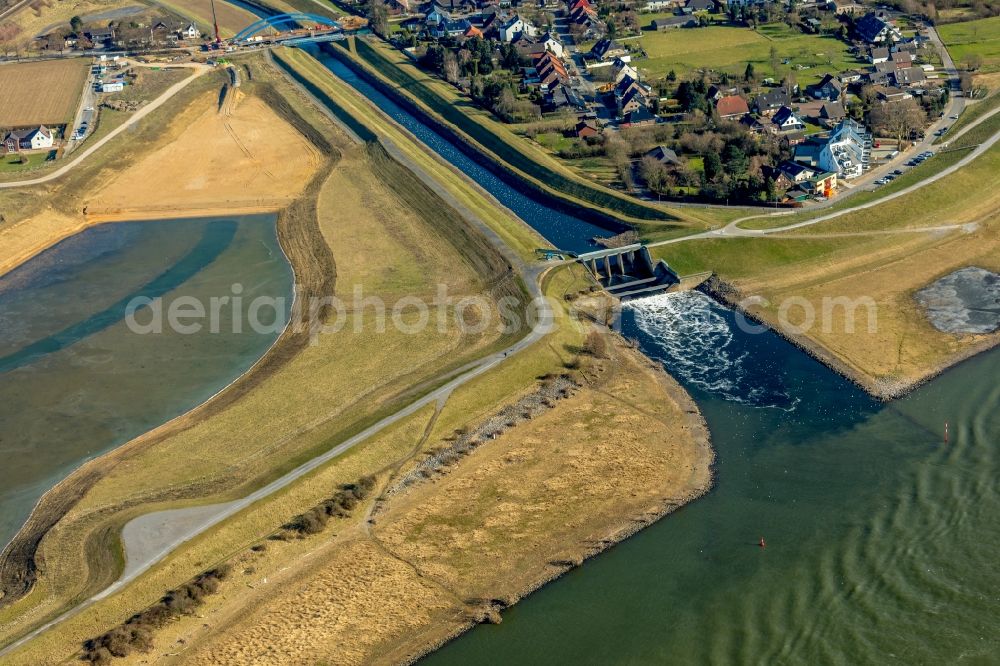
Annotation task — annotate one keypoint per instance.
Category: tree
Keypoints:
(774, 59)
(378, 17)
(973, 62)
(713, 166)
(749, 74)
(76, 24)
(450, 67)
(735, 160)
(654, 174)
(897, 119)
(671, 76)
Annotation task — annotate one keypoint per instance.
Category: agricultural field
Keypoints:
(41, 92)
(974, 40)
(730, 48)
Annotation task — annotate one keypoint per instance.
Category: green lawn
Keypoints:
(12, 163)
(981, 37)
(729, 48)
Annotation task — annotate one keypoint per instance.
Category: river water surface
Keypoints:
(74, 380)
(881, 538)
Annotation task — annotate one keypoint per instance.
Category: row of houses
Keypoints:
(163, 32)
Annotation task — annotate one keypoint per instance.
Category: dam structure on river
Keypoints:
(629, 271)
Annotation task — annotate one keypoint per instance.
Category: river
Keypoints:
(75, 382)
(881, 538)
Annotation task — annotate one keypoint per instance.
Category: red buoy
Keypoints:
(762, 544)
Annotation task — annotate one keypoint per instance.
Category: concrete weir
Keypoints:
(629, 271)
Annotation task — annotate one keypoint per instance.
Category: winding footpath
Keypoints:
(198, 68)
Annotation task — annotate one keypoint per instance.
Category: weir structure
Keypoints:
(629, 271)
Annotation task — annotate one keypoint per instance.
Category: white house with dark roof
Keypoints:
(35, 138)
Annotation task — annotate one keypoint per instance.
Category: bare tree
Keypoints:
(654, 174)
(898, 119)
(450, 67)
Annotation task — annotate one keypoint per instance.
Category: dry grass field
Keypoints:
(219, 161)
(41, 92)
(621, 451)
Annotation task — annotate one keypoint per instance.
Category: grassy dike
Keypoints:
(497, 147)
(324, 392)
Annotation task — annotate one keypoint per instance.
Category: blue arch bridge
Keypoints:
(292, 28)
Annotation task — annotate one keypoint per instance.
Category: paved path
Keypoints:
(199, 69)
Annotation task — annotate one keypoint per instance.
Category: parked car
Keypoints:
(897, 172)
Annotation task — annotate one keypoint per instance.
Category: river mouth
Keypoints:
(881, 535)
(880, 529)
(77, 381)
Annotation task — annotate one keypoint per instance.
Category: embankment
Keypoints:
(560, 192)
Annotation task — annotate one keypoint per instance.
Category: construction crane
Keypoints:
(215, 25)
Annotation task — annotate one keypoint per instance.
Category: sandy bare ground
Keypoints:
(242, 157)
(215, 165)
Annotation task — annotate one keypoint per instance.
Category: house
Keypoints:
(435, 18)
(631, 101)
(892, 94)
(845, 152)
(473, 32)
(767, 103)
(759, 125)
(658, 5)
(878, 54)
(692, 6)
(731, 107)
(795, 172)
(902, 59)
(586, 128)
(844, 7)
(674, 22)
(909, 76)
(621, 69)
(112, 87)
(35, 138)
(850, 76)
(190, 32)
(549, 72)
(829, 88)
(832, 112)
(607, 49)
(564, 97)
(663, 155)
(551, 44)
(515, 26)
(715, 93)
(786, 120)
(102, 37)
(637, 118)
(876, 30)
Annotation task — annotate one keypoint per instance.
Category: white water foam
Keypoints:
(691, 335)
